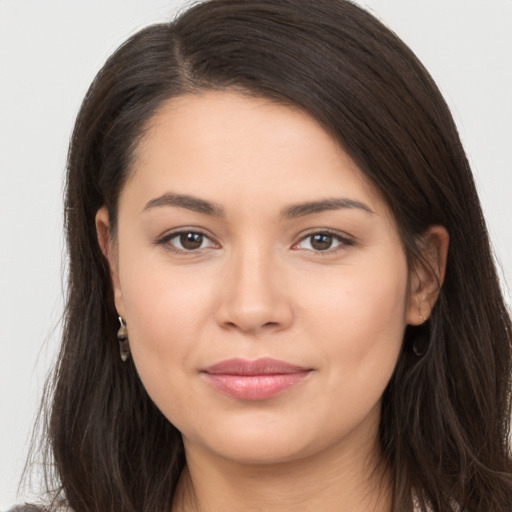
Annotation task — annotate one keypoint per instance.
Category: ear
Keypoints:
(108, 249)
(428, 274)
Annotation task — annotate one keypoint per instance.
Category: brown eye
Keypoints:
(321, 241)
(186, 242)
(191, 241)
(324, 242)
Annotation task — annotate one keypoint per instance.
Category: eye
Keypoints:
(186, 241)
(323, 242)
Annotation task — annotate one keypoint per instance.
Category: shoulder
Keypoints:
(36, 508)
(28, 508)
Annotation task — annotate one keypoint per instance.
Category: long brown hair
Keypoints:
(445, 414)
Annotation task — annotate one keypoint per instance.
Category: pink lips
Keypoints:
(254, 380)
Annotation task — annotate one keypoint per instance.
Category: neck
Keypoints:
(335, 481)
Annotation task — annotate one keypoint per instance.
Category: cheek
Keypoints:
(165, 310)
(164, 334)
(359, 325)
(364, 298)
(160, 295)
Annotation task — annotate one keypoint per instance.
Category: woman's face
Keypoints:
(262, 280)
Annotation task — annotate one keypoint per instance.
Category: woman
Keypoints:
(272, 200)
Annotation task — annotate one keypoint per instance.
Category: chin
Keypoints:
(262, 443)
(259, 451)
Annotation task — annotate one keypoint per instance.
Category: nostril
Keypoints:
(251, 326)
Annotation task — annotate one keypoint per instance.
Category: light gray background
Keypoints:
(49, 52)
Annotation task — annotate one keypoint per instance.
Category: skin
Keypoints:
(260, 286)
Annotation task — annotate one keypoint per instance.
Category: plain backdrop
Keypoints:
(49, 52)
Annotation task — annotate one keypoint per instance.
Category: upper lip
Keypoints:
(262, 366)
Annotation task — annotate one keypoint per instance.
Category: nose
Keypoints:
(255, 298)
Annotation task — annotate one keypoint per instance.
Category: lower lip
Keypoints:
(254, 387)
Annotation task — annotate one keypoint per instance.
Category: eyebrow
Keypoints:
(188, 202)
(290, 212)
(334, 203)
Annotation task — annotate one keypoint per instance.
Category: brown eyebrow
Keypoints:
(295, 210)
(185, 201)
(334, 203)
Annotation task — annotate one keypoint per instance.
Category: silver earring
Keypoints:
(417, 351)
(122, 336)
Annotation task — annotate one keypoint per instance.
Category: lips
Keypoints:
(254, 380)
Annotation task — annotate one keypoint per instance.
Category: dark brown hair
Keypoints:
(445, 415)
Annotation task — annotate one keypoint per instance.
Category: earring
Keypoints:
(422, 318)
(417, 351)
(419, 347)
(122, 336)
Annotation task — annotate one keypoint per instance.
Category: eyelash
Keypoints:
(344, 241)
(166, 239)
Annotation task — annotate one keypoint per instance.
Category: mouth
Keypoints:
(254, 380)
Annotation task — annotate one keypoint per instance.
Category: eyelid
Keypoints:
(345, 240)
(168, 236)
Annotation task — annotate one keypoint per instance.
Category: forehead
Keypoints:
(219, 141)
